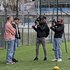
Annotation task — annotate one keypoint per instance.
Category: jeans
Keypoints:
(56, 47)
(15, 46)
(43, 42)
(10, 50)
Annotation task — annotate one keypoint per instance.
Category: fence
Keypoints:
(28, 35)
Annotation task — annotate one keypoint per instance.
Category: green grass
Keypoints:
(26, 54)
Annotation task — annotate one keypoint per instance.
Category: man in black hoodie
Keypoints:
(42, 32)
(58, 29)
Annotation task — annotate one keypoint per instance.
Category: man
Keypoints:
(58, 29)
(17, 36)
(9, 36)
(42, 32)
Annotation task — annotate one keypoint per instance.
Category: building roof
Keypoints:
(55, 1)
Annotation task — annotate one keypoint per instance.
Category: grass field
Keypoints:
(26, 54)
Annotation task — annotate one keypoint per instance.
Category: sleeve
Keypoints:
(60, 28)
(11, 29)
(47, 30)
(57, 29)
(34, 28)
(14, 26)
(53, 28)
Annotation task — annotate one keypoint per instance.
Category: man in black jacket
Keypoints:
(58, 29)
(17, 36)
(42, 31)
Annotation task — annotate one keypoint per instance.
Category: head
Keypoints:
(60, 21)
(16, 20)
(10, 18)
(43, 18)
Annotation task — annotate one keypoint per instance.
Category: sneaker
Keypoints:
(59, 60)
(14, 60)
(45, 58)
(54, 60)
(35, 59)
(10, 63)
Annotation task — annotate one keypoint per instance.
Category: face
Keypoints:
(11, 19)
(17, 21)
(44, 20)
(60, 21)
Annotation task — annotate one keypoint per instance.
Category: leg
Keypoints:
(10, 50)
(55, 47)
(44, 46)
(15, 46)
(58, 48)
(37, 47)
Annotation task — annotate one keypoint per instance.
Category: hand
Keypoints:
(33, 26)
(51, 27)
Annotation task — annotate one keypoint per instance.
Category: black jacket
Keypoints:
(42, 30)
(17, 35)
(58, 29)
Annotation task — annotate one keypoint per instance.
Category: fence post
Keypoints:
(17, 8)
(28, 28)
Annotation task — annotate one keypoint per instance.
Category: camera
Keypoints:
(39, 20)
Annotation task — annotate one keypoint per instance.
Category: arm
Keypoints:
(34, 28)
(14, 26)
(60, 28)
(53, 28)
(47, 28)
(57, 28)
(10, 29)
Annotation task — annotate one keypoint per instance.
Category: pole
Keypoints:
(68, 30)
(5, 8)
(40, 8)
(28, 28)
(52, 24)
(16, 8)
(57, 10)
(64, 35)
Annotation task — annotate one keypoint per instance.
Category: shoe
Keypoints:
(69, 58)
(59, 60)
(54, 60)
(14, 60)
(35, 59)
(10, 63)
(45, 58)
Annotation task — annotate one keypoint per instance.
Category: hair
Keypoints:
(44, 17)
(16, 18)
(8, 18)
(62, 20)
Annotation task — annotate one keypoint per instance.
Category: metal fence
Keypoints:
(28, 35)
